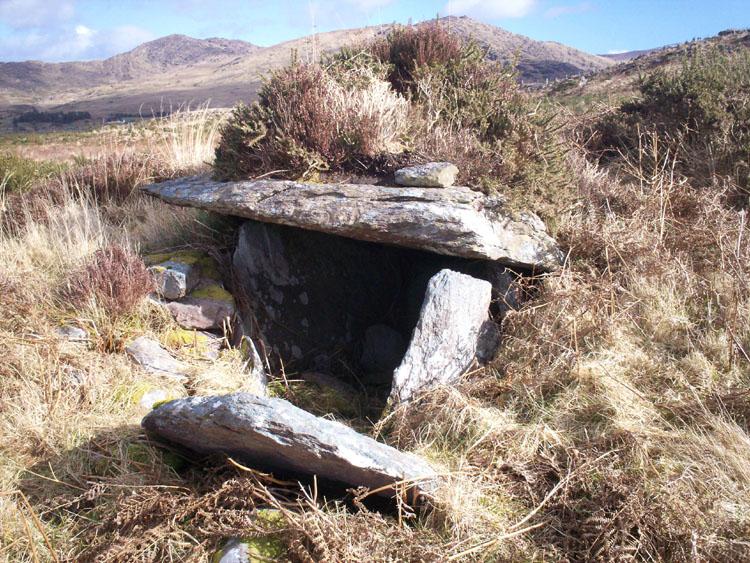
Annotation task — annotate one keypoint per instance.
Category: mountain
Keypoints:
(175, 69)
(537, 60)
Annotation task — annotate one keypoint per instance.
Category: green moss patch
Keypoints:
(213, 292)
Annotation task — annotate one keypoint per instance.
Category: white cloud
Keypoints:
(491, 9)
(617, 51)
(24, 14)
(75, 43)
(556, 11)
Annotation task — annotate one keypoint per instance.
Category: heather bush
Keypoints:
(114, 279)
(309, 119)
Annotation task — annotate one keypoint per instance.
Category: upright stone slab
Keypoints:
(455, 221)
(447, 335)
(274, 434)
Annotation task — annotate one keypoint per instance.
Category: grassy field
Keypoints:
(611, 426)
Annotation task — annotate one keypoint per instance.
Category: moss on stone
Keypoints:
(258, 550)
(160, 403)
(213, 292)
(181, 256)
(208, 267)
(180, 337)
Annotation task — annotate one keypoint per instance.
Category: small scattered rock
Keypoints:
(205, 308)
(430, 175)
(274, 434)
(174, 278)
(151, 397)
(242, 341)
(72, 333)
(445, 340)
(155, 359)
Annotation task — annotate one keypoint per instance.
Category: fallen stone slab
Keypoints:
(432, 174)
(205, 308)
(447, 336)
(153, 358)
(273, 434)
(175, 279)
(454, 221)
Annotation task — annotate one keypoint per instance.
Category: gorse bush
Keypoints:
(416, 95)
(18, 173)
(701, 113)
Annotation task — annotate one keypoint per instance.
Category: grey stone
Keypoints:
(72, 333)
(382, 352)
(432, 174)
(453, 221)
(175, 279)
(274, 434)
(205, 308)
(445, 340)
(155, 359)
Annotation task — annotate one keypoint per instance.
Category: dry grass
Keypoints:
(187, 138)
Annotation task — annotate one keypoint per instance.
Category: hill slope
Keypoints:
(621, 80)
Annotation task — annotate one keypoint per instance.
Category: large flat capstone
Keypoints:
(274, 434)
(454, 221)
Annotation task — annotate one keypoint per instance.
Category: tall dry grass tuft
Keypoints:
(185, 140)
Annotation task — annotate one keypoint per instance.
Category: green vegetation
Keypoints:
(18, 174)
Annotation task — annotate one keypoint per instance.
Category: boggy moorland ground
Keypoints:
(611, 425)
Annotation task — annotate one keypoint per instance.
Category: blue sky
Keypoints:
(64, 30)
